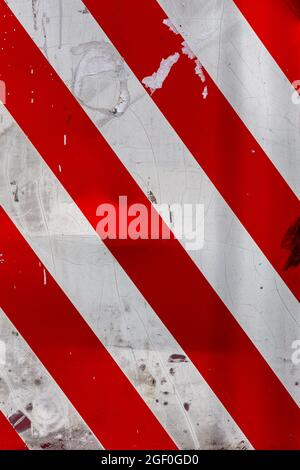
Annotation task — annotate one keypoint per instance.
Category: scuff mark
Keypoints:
(34, 6)
(45, 45)
(60, 23)
(291, 242)
(156, 80)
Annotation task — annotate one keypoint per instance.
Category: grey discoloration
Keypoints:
(99, 69)
(32, 401)
(34, 6)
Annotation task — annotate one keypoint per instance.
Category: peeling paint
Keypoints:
(156, 80)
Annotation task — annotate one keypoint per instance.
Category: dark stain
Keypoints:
(46, 445)
(29, 407)
(85, 11)
(172, 371)
(241, 445)
(19, 421)
(186, 406)
(291, 242)
(151, 197)
(16, 191)
(166, 403)
(37, 382)
(61, 442)
(146, 377)
(177, 358)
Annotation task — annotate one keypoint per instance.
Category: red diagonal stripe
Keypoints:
(161, 269)
(71, 352)
(9, 438)
(210, 128)
(277, 23)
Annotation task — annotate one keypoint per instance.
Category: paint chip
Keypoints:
(156, 80)
(170, 25)
(187, 50)
(199, 70)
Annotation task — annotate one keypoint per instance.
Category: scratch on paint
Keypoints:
(45, 277)
(205, 93)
